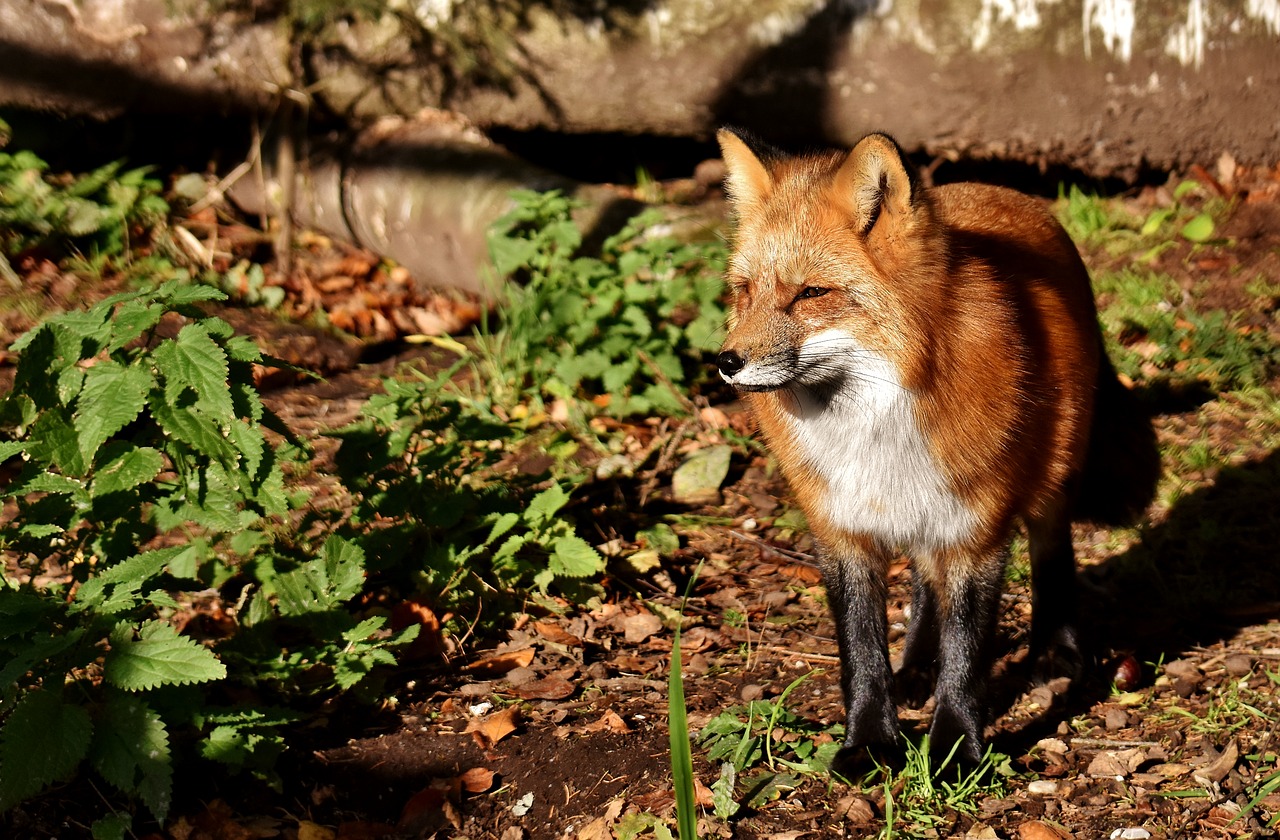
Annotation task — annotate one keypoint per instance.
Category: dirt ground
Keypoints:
(560, 729)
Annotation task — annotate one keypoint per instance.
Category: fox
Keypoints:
(926, 367)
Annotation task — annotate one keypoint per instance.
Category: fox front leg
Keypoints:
(856, 591)
(968, 606)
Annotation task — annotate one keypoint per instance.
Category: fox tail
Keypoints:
(1123, 463)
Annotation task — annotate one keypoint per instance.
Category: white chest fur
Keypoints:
(864, 441)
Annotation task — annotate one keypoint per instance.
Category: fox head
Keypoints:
(833, 257)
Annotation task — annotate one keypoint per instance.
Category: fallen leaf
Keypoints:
(1217, 765)
(307, 830)
(490, 730)
(430, 641)
(636, 628)
(856, 809)
(555, 633)
(501, 663)
(610, 721)
(550, 688)
(422, 807)
(1037, 830)
(1108, 764)
(703, 795)
(477, 780)
(697, 481)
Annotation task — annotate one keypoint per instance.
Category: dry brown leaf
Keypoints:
(477, 780)
(490, 730)
(555, 633)
(636, 628)
(610, 721)
(1036, 830)
(703, 795)
(550, 688)
(430, 641)
(501, 663)
(307, 830)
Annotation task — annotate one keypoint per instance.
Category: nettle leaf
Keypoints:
(130, 750)
(112, 397)
(572, 556)
(324, 583)
(131, 469)
(42, 742)
(53, 440)
(158, 656)
(9, 448)
(194, 361)
(193, 429)
(546, 505)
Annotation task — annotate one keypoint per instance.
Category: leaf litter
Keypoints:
(579, 749)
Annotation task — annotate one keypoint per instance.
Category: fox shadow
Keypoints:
(1196, 577)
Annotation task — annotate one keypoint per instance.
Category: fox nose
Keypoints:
(730, 362)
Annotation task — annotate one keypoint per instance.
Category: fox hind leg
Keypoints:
(919, 668)
(1055, 634)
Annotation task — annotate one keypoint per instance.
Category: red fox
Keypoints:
(927, 368)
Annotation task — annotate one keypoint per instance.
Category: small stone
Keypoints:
(1238, 665)
(1042, 787)
(751, 691)
(1130, 834)
(1183, 669)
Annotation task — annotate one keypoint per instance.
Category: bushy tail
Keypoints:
(1123, 465)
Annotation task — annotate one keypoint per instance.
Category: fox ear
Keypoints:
(748, 181)
(875, 180)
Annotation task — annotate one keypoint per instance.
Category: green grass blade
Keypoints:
(681, 753)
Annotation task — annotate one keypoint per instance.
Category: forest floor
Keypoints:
(560, 728)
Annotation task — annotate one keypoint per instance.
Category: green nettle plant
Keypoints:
(139, 471)
(628, 327)
(437, 497)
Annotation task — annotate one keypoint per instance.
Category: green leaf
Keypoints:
(572, 556)
(111, 827)
(9, 448)
(1199, 229)
(132, 468)
(322, 584)
(159, 656)
(194, 361)
(53, 440)
(112, 397)
(546, 505)
(193, 429)
(130, 750)
(42, 742)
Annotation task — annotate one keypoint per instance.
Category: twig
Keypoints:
(770, 548)
(1105, 744)
(800, 654)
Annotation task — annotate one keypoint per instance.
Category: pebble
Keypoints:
(1043, 787)
(1116, 719)
(1238, 665)
(1130, 834)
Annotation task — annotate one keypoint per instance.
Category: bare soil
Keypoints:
(586, 745)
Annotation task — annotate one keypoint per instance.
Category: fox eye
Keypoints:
(811, 292)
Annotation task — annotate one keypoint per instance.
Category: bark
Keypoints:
(1109, 86)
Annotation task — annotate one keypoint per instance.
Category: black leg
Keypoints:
(920, 651)
(1055, 635)
(856, 590)
(968, 620)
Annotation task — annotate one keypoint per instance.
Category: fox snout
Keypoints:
(729, 363)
